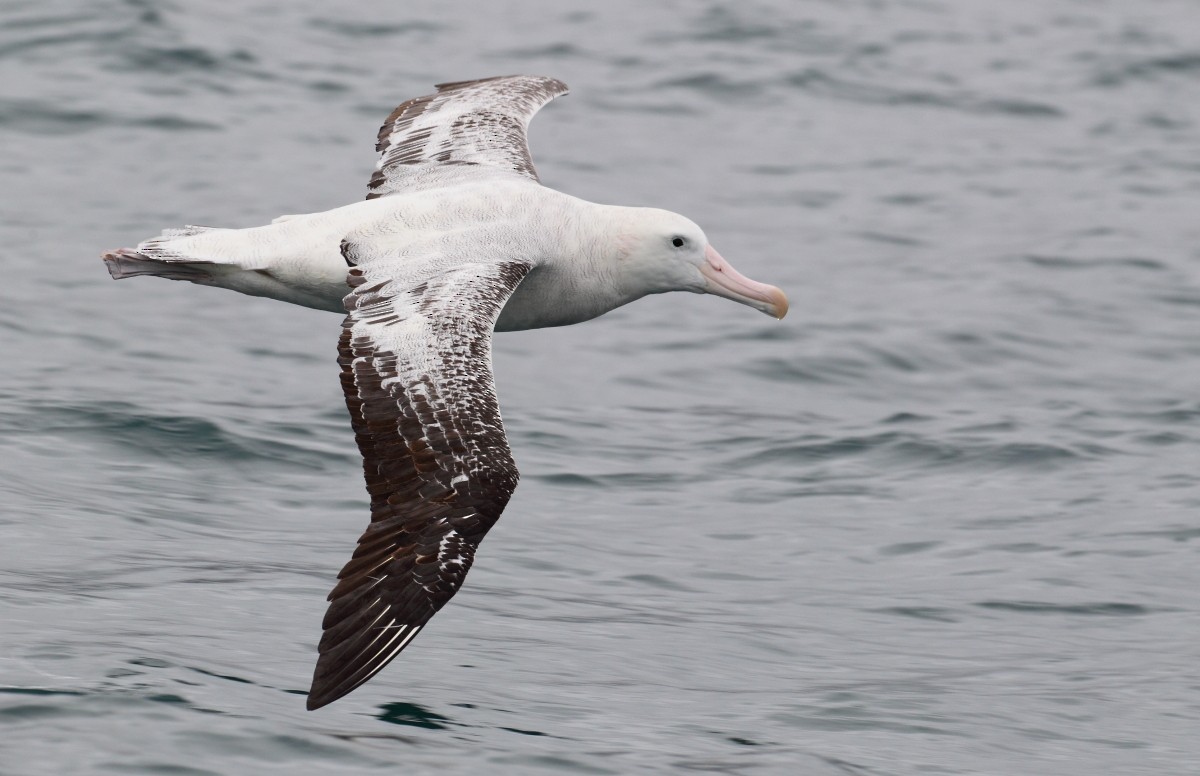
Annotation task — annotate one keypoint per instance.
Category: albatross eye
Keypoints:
(677, 242)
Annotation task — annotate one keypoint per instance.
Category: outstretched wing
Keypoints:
(416, 369)
(482, 123)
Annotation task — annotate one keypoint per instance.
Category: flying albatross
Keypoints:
(457, 238)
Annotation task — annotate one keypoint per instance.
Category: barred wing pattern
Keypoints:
(416, 370)
(428, 140)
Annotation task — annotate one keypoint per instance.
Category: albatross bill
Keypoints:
(724, 280)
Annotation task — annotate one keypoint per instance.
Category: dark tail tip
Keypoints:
(126, 263)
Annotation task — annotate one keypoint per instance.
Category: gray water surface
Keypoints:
(944, 519)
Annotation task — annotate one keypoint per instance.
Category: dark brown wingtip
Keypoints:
(325, 688)
(331, 682)
(315, 701)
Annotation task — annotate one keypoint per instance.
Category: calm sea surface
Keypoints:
(944, 519)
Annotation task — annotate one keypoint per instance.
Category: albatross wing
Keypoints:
(415, 352)
(428, 140)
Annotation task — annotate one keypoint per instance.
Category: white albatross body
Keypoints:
(457, 238)
(299, 258)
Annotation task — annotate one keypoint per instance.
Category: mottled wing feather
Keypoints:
(465, 125)
(416, 370)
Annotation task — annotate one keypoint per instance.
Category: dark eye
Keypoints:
(678, 242)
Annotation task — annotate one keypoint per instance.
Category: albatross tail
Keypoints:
(153, 258)
(297, 260)
(128, 263)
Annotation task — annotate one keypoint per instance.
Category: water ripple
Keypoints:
(1182, 63)
(40, 118)
(361, 29)
(823, 84)
(907, 449)
(179, 438)
(1106, 609)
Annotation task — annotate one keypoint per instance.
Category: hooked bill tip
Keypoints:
(779, 303)
(724, 280)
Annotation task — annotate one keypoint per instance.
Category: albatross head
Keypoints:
(667, 252)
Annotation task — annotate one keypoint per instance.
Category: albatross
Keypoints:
(457, 238)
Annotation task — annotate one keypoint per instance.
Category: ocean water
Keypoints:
(943, 519)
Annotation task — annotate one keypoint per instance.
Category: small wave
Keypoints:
(656, 581)
(818, 451)
(1172, 416)
(30, 712)
(934, 613)
(567, 480)
(1183, 63)
(910, 449)
(39, 691)
(908, 548)
(172, 123)
(33, 44)
(1183, 534)
(721, 27)
(180, 59)
(1105, 609)
(909, 199)
(824, 370)
(889, 238)
(353, 29)
(1183, 298)
(170, 437)
(822, 84)
(1162, 439)
(859, 366)
(1069, 262)
(714, 85)
(905, 417)
(58, 37)
(42, 118)
(549, 51)
(616, 481)
(647, 105)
